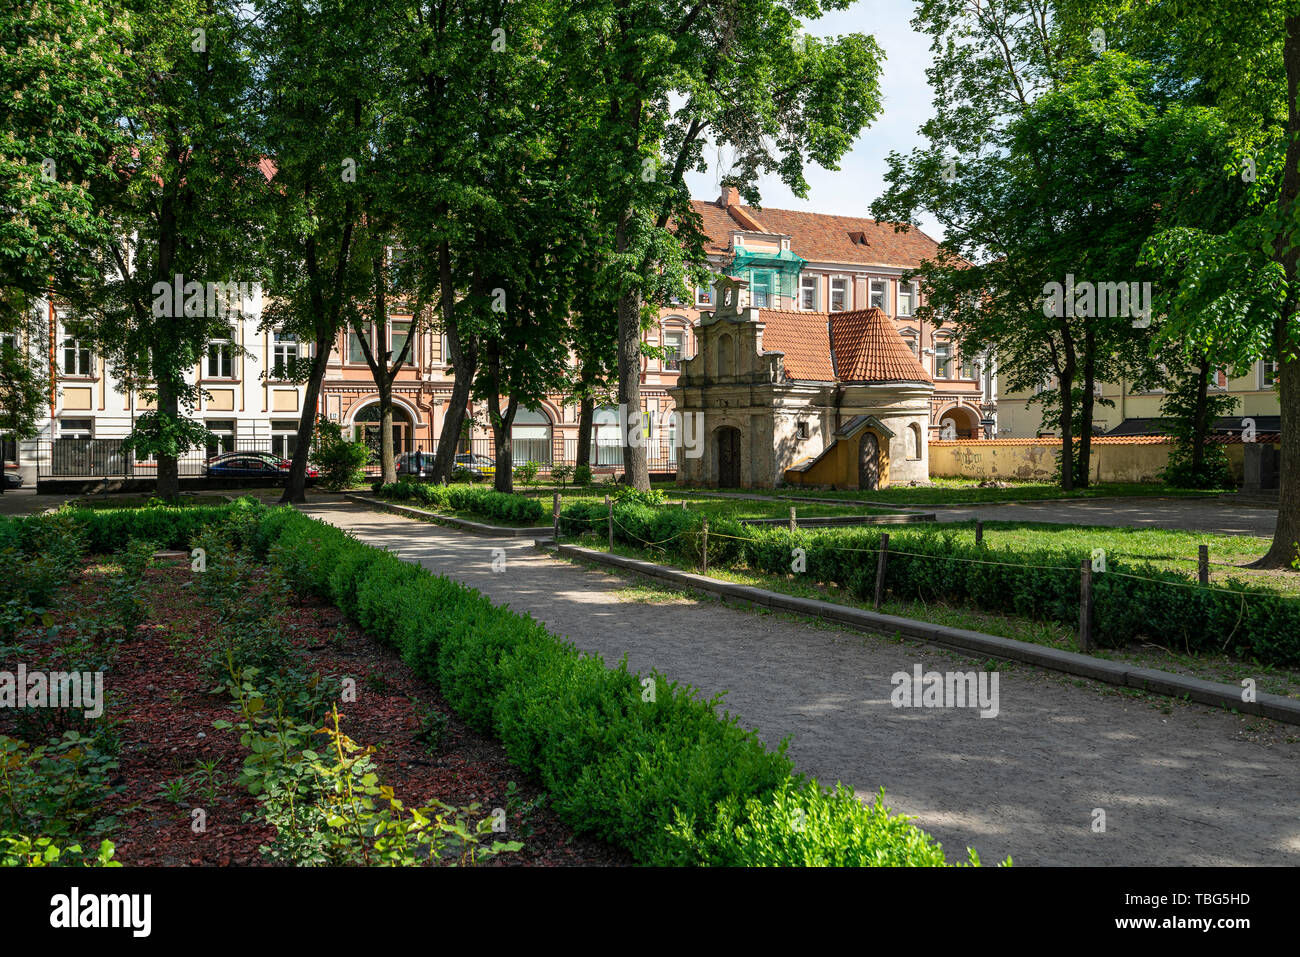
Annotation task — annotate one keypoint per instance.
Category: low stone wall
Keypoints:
(1113, 459)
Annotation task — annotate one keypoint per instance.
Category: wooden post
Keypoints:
(555, 509)
(979, 533)
(610, 503)
(793, 524)
(1085, 605)
(1203, 564)
(705, 549)
(881, 559)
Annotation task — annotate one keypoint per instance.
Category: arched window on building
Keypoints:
(606, 439)
(530, 437)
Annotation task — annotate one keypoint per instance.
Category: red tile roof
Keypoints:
(818, 236)
(802, 336)
(860, 346)
(868, 348)
(1053, 440)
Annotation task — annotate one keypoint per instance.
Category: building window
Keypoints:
(914, 441)
(808, 292)
(673, 350)
(913, 340)
(801, 429)
(760, 288)
(968, 370)
(606, 437)
(220, 364)
(942, 359)
(284, 352)
(76, 428)
(76, 357)
(839, 294)
(879, 298)
(906, 298)
(223, 436)
(284, 437)
(1267, 374)
(355, 353)
(703, 295)
(401, 331)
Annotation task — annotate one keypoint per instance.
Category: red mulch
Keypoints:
(167, 711)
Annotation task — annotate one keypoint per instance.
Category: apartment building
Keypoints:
(1132, 411)
(791, 261)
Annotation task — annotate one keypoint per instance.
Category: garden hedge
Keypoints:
(641, 762)
(931, 564)
(465, 498)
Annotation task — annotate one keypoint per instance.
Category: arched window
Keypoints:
(530, 437)
(606, 439)
(913, 441)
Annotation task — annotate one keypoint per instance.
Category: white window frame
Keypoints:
(769, 287)
(913, 339)
(811, 282)
(284, 349)
(224, 357)
(680, 334)
(911, 291)
(89, 430)
(847, 291)
(70, 343)
(878, 287)
(1264, 365)
(704, 296)
(943, 342)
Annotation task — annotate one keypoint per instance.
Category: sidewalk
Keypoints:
(1182, 788)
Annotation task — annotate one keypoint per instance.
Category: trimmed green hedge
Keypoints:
(665, 778)
(465, 498)
(1171, 609)
(109, 530)
(641, 762)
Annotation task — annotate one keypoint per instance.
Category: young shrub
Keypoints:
(341, 463)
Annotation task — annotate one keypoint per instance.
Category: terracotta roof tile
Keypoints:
(820, 237)
(802, 336)
(1055, 440)
(869, 349)
(866, 346)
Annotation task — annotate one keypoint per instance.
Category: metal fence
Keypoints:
(105, 458)
(549, 453)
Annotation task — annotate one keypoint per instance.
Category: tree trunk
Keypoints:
(387, 465)
(464, 363)
(1198, 420)
(586, 417)
(295, 486)
(1086, 409)
(636, 471)
(169, 478)
(1286, 535)
(1067, 420)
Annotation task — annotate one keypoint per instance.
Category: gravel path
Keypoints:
(1193, 515)
(1179, 784)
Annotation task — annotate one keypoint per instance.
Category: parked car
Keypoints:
(406, 464)
(13, 478)
(252, 465)
(479, 466)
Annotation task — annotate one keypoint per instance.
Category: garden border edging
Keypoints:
(1224, 696)
(478, 528)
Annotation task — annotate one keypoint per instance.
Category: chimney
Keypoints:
(730, 197)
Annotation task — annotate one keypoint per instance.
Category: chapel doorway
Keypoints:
(869, 461)
(728, 440)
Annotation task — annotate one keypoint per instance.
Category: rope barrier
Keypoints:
(954, 558)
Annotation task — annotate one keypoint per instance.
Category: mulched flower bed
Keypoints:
(166, 707)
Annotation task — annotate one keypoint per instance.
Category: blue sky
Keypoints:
(849, 190)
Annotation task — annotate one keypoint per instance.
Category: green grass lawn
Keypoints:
(1221, 668)
(959, 491)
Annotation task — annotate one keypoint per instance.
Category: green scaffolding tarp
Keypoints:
(784, 265)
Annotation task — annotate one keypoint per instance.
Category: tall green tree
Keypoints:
(321, 96)
(662, 78)
(183, 199)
